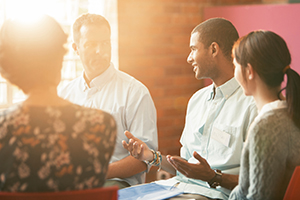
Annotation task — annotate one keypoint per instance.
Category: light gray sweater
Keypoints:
(269, 157)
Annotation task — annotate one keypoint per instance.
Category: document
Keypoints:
(148, 191)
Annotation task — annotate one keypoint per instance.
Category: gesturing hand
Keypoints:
(137, 148)
(199, 170)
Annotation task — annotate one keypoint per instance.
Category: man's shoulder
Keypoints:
(131, 81)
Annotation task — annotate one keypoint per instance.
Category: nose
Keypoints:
(190, 58)
(98, 49)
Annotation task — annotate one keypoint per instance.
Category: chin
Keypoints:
(198, 76)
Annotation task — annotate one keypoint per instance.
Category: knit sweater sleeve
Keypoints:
(268, 151)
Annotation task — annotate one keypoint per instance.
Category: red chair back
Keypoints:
(293, 190)
(104, 193)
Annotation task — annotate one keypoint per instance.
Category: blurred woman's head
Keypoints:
(31, 53)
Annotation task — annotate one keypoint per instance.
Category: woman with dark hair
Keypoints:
(47, 143)
(272, 148)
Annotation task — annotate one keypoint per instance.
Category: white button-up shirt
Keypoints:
(127, 99)
(215, 128)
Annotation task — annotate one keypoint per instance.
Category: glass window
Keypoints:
(65, 12)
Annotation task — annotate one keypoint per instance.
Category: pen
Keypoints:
(174, 186)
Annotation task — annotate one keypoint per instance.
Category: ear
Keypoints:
(214, 47)
(250, 72)
(74, 46)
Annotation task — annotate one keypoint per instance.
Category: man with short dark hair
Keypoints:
(217, 119)
(104, 87)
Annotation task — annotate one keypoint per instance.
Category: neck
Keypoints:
(44, 97)
(89, 76)
(264, 95)
(225, 72)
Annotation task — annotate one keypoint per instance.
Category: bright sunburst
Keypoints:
(29, 10)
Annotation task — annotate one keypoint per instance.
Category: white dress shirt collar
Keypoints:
(225, 90)
(100, 80)
(278, 104)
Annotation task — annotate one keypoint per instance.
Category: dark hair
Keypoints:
(218, 30)
(31, 53)
(87, 19)
(269, 56)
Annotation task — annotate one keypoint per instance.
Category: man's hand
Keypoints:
(137, 148)
(200, 170)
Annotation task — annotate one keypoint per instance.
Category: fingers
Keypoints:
(136, 149)
(125, 145)
(179, 164)
(141, 152)
(128, 134)
(170, 161)
(132, 146)
(198, 157)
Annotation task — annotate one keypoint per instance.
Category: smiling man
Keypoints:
(217, 119)
(104, 87)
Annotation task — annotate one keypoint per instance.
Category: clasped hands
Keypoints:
(139, 150)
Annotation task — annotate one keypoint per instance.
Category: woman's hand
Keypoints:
(137, 148)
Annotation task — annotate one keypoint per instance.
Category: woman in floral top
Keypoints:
(47, 143)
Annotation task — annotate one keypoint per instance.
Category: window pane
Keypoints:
(3, 93)
(17, 95)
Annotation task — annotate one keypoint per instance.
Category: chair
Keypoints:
(293, 190)
(105, 193)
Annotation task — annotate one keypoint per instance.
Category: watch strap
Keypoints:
(216, 180)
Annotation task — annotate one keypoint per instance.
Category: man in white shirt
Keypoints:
(217, 120)
(104, 87)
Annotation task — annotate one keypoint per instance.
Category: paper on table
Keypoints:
(148, 191)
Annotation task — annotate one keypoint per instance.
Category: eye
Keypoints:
(193, 49)
(89, 45)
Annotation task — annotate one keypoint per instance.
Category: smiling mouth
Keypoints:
(195, 68)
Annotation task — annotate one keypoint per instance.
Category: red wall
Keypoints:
(282, 19)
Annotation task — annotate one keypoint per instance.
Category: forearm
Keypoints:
(125, 168)
(229, 181)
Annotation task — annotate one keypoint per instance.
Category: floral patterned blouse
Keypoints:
(54, 148)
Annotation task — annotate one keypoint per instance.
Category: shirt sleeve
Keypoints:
(141, 116)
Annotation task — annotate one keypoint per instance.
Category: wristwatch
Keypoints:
(216, 180)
